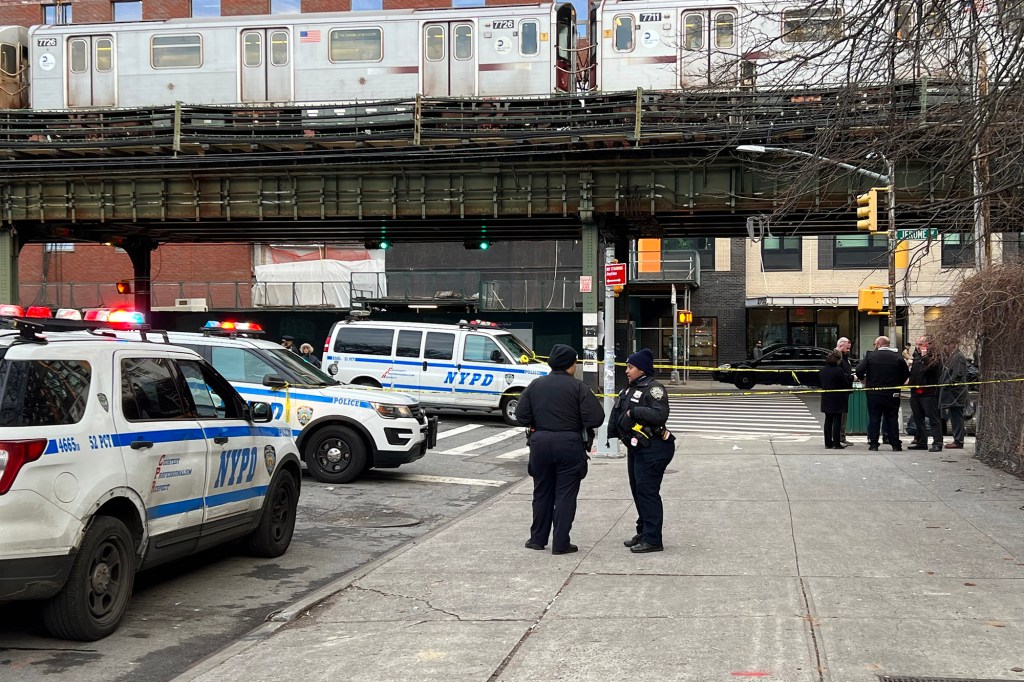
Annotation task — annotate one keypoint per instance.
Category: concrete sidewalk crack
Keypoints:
(402, 596)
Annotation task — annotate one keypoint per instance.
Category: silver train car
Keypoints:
(509, 51)
(306, 58)
(13, 67)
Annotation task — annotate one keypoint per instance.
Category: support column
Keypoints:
(8, 266)
(140, 251)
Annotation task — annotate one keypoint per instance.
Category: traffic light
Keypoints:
(685, 316)
(617, 289)
(867, 211)
(871, 300)
(482, 243)
(124, 286)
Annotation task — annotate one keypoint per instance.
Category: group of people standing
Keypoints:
(936, 382)
(561, 414)
(305, 351)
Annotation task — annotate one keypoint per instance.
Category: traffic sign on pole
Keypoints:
(614, 274)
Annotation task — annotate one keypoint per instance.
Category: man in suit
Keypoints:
(843, 346)
(883, 368)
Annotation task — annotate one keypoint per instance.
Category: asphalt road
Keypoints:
(187, 610)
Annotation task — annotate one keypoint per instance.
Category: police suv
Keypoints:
(119, 455)
(471, 365)
(340, 431)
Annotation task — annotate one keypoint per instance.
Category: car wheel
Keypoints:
(277, 522)
(99, 587)
(363, 381)
(509, 403)
(335, 454)
(744, 381)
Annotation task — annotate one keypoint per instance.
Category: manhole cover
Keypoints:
(379, 518)
(911, 678)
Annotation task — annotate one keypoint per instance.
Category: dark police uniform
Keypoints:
(883, 367)
(647, 452)
(558, 409)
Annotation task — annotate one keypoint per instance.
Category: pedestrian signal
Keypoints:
(867, 211)
(617, 289)
(124, 286)
(685, 317)
(870, 300)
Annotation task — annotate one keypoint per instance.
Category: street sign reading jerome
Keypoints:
(614, 274)
(920, 233)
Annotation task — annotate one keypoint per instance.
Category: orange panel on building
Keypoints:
(648, 255)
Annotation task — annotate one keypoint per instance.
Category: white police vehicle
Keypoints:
(116, 456)
(340, 431)
(472, 365)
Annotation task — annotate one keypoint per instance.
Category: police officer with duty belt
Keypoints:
(561, 413)
(638, 420)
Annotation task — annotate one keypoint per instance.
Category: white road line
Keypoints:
(456, 431)
(423, 478)
(512, 454)
(490, 440)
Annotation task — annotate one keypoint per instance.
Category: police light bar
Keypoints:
(480, 324)
(126, 317)
(38, 311)
(11, 310)
(229, 327)
(68, 314)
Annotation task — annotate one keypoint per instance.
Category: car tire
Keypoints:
(744, 382)
(277, 521)
(335, 454)
(509, 403)
(363, 381)
(99, 588)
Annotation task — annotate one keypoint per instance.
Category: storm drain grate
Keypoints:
(910, 678)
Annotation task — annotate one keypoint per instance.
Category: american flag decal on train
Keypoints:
(309, 36)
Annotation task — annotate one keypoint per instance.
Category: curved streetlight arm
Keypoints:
(784, 151)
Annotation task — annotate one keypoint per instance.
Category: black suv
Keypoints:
(787, 365)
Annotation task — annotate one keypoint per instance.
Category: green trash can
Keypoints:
(857, 416)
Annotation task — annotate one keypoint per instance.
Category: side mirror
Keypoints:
(259, 412)
(496, 356)
(274, 381)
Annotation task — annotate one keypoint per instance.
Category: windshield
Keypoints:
(516, 348)
(304, 372)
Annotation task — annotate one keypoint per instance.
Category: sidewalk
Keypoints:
(783, 562)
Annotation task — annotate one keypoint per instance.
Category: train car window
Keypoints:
(693, 31)
(79, 60)
(104, 54)
(463, 42)
(169, 52)
(812, 24)
(435, 43)
(8, 59)
(624, 33)
(725, 29)
(252, 49)
(357, 45)
(279, 48)
(529, 38)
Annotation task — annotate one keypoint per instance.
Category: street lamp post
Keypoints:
(890, 186)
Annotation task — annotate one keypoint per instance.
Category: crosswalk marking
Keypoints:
(424, 478)
(769, 415)
(490, 440)
(458, 430)
(513, 454)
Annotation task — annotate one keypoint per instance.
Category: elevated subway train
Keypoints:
(491, 51)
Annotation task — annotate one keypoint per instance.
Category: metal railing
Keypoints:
(678, 266)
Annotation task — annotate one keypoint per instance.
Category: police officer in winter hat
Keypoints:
(559, 411)
(638, 420)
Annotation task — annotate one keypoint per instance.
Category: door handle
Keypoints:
(141, 444)
(424, 365)
(220, 440)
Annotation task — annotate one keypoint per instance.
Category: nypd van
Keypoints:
(472, 365)
(117, 456)
(340, 431)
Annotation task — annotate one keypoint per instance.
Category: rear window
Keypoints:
(43, 392)
(363, 341)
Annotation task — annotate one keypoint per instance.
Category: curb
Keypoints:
(278, 619)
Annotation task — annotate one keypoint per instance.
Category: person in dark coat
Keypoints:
(953, 398)
(638, 419)
(834, 378)
(758, 352)
(843, 346)
(884, 368)
(924, 396)
(559, 410)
